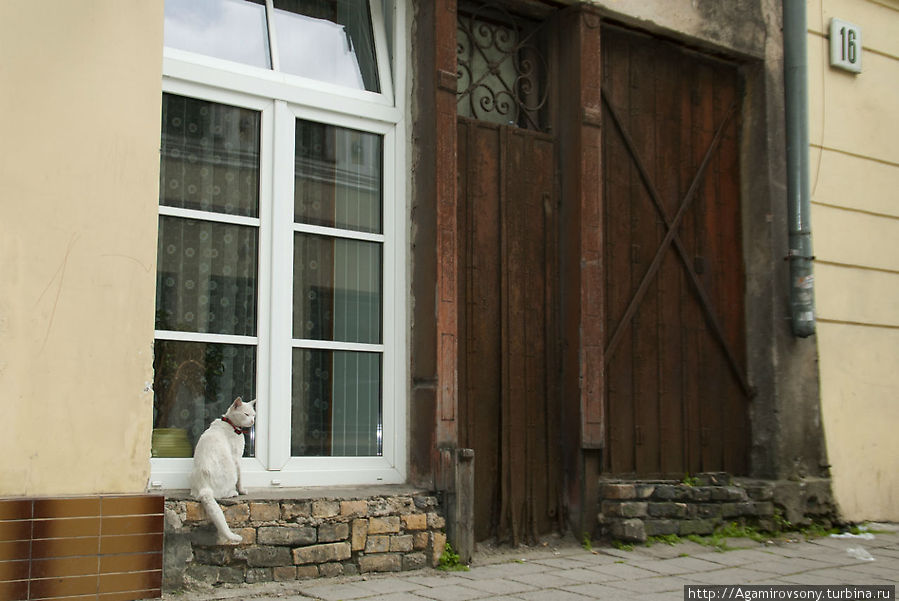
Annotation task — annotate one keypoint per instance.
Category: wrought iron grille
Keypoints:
(502, 69)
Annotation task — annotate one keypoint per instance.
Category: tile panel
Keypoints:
(81, 548)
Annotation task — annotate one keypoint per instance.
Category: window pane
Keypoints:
(336, 405)
(206, 277)
(234, 30)
(194, 383)
(338, 177)
(210, 157)
(336, 289)
(327, 40)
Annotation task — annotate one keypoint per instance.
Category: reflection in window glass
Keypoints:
(193, 384)
(338, 177)
(206, 277)
(233, 30)
(327, 40)
(336, 289)
(209, 157)
(336, 404)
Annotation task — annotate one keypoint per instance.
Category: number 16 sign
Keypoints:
(845, 45)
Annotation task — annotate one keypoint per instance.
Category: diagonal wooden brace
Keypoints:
(671, 237)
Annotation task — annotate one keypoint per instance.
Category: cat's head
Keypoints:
(241, 414)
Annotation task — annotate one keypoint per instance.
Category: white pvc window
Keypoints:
(280, 272)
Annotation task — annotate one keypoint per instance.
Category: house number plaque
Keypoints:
(845, 46)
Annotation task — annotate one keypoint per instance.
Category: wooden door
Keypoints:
(508, 371)
(676, 392)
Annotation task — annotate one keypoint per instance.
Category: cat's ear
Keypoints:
(253, 403)
(237, 402)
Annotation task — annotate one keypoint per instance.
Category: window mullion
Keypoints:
(281, 285)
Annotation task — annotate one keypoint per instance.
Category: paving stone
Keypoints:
(562, 563)
(393, 584)
(623, 571)
(740, 575)
(677, 565)
(645, 586)
(500, 586)
(335, 591)
(456, 592)
(553, 595)
(544, 580)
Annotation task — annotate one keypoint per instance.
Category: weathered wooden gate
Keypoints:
(508, 371)
(676, 391)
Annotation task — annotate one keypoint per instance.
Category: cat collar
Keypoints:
(237, 429)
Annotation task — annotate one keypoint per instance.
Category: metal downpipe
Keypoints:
(802, 297)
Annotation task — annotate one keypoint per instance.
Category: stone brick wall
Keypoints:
(636, 510)
(288, 539)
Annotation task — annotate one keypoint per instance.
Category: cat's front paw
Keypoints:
(233, 539)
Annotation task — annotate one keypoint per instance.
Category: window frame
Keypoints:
(281, 99)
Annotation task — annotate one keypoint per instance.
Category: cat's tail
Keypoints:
(217, 516)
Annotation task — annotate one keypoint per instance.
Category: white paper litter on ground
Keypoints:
(859, 553)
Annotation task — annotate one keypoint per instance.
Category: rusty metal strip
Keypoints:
(672, 237)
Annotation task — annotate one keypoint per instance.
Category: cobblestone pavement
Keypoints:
(563, 571)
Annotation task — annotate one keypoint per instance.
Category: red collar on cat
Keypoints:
(237, 429)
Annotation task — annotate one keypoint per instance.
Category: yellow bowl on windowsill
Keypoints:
(170, 442)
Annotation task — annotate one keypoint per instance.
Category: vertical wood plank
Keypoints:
(592, 299)
(691, 315)
(447, 227)
(618, 173)
(668, 182)
(646, 236)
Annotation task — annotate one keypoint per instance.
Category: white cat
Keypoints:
(216, 473)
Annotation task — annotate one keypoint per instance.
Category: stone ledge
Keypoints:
(302, 533)
(633, 510)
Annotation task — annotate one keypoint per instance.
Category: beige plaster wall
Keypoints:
(79, 160)
(854, 125)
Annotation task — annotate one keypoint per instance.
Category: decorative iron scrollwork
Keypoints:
(501, 67)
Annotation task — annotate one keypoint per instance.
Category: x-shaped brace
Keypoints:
(672, 238)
